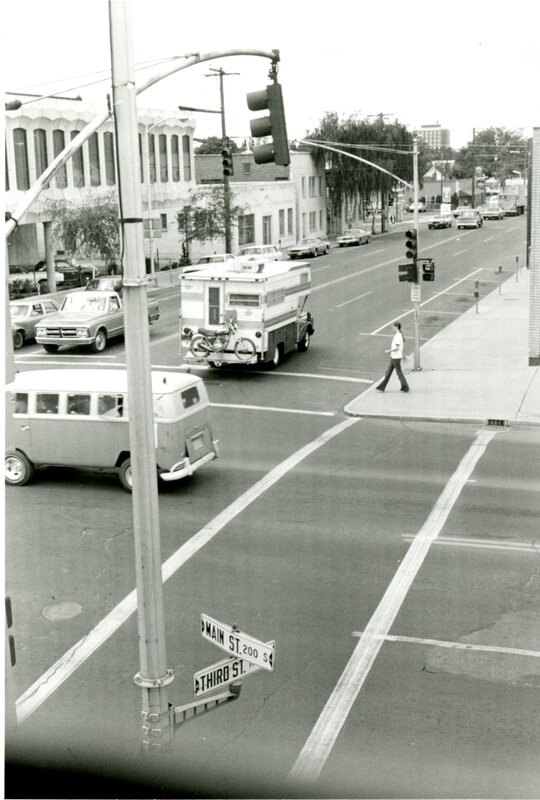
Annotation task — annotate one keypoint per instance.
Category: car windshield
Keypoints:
(20, 309)
(85, 302)
(307, 241)
(246, 251)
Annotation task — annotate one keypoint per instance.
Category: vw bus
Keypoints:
(79, 418)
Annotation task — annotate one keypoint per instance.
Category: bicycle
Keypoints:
(209, 342)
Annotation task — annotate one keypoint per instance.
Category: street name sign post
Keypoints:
(223, 672)
(239, 644)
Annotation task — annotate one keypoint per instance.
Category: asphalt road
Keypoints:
(440, 700)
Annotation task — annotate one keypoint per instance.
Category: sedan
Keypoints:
(492, 212)
(313, 246)
(440, 221)
(24, 316)
(354, 236)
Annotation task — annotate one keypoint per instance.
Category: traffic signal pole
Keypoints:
(226, 181)
(153, 677)
(416, 290)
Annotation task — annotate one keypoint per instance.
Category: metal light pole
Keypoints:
(153, 677)
(416, 286)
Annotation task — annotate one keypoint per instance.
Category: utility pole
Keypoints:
(416, 288)
(473, 188)
(225, 142)
(153, 678)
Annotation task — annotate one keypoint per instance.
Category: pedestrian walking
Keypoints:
(396, 354)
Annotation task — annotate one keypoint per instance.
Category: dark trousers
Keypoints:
(395, 364)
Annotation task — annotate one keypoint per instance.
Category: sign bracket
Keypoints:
(183, 714)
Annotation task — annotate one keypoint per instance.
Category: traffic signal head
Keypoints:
(227, 161)
(272, 125)
(428, 271)
(408, 272)
(411, 244)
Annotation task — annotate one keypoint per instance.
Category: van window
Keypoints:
(20, 403)
(78, 404)
(111, 405)
(46, 404)
(190, 397)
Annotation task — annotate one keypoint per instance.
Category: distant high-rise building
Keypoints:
(434, 136)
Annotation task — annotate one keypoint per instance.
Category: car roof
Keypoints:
(96, 380)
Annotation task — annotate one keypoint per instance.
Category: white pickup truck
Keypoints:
(86, 318)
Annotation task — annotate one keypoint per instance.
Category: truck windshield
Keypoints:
(85, 302)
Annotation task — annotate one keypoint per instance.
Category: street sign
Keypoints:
(415, 293)
(223, 672)
(239, 644)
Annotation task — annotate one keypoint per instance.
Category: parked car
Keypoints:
(440, 221)
(421, 206)
(492, 212)
(264, 252)
(224, 259)
(25, 314)
(106, 283)
(312, 246)
(354, 236)
(471, 218)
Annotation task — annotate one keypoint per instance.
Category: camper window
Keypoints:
(252, 300)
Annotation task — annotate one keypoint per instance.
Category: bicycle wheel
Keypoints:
(198, 346)
(244, 349)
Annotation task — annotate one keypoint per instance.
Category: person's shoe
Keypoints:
(405, 389)
(379, 388)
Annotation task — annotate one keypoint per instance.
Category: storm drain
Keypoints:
(64, 610)
(497, 424)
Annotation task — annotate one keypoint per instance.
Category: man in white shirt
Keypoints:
(396, 354)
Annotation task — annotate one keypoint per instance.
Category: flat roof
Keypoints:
(96, 380)
(251, 269)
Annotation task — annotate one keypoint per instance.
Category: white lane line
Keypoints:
(274, 408)
(277, 374)
(55, 676)
(483, 544)
(374, 252)
(353, 299)
(66, 363)
(459, 253)
(40, 356)
(437, 311)
(438, 294)
(489, 239)
(322, 738)
(480, 648)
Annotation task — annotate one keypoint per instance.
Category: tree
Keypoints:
(495, 151)
(89, 229)
(213, 145)
(204, 218)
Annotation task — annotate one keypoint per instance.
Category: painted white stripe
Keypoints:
(161, 339)
(278, 374)
(489, 239)
(55, 676)
(429, 300)
(374, 252)
(483, 544)
(352, 300)
(274, 408)
(436, 311)
(459, 252)
(321, 740)
(480, 648)
(66, 363)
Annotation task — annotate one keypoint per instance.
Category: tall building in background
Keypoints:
(434, 136)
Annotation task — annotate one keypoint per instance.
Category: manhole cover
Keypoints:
(62, 610)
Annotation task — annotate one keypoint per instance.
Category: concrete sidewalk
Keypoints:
(475, 370)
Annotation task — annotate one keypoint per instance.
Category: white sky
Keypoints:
(463, 63)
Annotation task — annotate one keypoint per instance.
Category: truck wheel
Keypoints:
(50, 348)
(100, 342)
(124, 475)
(18, 340)
(303, 345)
(276, 358)
(18, 468)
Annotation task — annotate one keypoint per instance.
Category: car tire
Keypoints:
(100, 342)
(51, 348)
(303, 345)
(18, 468)
(275, 361)
(18, 340)
(125, 476)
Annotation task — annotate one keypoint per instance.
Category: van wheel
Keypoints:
(18, 340)
(276, 358)
(303, 345)
(100, 342)
(50, 348)
(125, 476)
(18, 469)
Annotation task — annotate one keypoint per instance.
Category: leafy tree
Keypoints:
(204, 218)
(347, 178)
(213, 145)
(90, 228)
(495, 152)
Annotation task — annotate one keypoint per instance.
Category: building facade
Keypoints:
(37, 132)
(434, 136)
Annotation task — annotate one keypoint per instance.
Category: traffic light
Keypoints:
(227, 161)
(428, 271)
(272, 125)
(411, 244)
(408, 272)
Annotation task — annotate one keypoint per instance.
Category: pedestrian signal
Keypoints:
(411, 244)
(428, 271)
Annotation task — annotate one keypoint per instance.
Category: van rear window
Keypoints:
(190, 397)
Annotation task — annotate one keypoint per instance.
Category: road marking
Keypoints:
(437, 294)
(436, 311)
(459, 252)
(274, 408)
(162, 339)
(352, 300)
(374, 252)
(489, 239)
(484, 544)
(55, 676)
(481, 648)
(322, 738)
(277, 374)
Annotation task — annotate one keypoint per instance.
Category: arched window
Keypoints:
(187, 157)
(77, 161)
(21, 159)
(152, 157)
(59, 143)
(93, 153)
(175, 158)
(163, 164)
(108, 146)
(40, 151)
